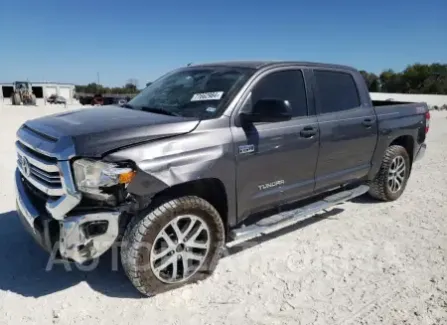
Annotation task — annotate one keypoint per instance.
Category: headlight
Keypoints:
(90, 175)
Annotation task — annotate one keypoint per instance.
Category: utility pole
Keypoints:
(97, 78)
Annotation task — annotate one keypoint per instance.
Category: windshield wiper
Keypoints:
(152, 109)
(158, 110)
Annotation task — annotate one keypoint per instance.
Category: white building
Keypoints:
(42, 90)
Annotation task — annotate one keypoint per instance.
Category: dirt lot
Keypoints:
(365, 263)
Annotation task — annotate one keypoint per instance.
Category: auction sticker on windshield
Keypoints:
(215, 95)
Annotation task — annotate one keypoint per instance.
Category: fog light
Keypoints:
(95, 228)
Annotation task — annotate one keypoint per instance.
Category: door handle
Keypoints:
(368, 122)
(308, 132)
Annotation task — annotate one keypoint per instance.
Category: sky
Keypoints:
(77, 41)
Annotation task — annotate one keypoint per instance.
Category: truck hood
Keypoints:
(96, 131)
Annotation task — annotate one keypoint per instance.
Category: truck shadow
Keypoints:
(28, 271)
(365, 199)
(24, 265)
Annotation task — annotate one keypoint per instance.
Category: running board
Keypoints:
(288, 218)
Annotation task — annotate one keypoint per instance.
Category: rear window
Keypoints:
(337, 91)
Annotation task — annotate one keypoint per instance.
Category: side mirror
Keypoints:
(269, 110)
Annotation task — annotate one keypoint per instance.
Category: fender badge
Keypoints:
(246, 148)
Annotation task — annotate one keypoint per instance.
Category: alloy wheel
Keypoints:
(396, 174)
(180, 249)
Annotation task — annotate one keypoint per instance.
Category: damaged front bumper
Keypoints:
(78, 237)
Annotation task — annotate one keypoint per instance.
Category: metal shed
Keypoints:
(42, 90)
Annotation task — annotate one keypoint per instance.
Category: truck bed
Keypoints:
(388, 102)
(401, 121)
(385, 107)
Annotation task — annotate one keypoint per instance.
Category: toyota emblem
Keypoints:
(25, 167)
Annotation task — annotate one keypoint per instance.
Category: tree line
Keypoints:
(95, 88)
(415, 79)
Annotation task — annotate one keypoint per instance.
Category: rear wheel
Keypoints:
(178, 242)
(15, 99)
(391, 180)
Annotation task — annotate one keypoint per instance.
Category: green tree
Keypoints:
(425, 78)
(372, 81)
(129, 88)
(391, 82)
(416, 79)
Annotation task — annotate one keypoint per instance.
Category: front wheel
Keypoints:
(178, 242)
(391, 180)
(33, 99)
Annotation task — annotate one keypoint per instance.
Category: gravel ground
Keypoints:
(365, 263)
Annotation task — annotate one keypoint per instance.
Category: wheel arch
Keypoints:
(406, 141)
(210, 189)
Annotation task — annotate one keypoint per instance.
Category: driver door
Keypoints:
(276, 161)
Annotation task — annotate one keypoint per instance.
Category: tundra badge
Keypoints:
(270, 185)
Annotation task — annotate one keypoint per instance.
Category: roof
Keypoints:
(238, 64)
(38, 83)
(263, 64)
(52, 83)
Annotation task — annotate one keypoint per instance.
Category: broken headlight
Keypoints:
(91, 175)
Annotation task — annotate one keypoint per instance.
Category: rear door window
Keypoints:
(337, 91)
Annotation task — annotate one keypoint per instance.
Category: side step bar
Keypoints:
(288, 218)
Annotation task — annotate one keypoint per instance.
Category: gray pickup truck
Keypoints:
(176, 175)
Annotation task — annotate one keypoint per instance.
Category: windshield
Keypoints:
(21, 84)
(192, 92)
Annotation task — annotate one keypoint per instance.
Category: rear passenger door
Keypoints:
(348, 129)
(276, 161)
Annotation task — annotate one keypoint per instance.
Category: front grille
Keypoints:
(40, 170)
(50, 178)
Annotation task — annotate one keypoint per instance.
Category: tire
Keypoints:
(382, 187)
(15, 99)
(143, 238)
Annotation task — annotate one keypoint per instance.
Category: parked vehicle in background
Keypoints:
(97, 100)
(106, 99)
(122, 101)
(56, 99)
(23, 93)
(184, 168)
(85, 100)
